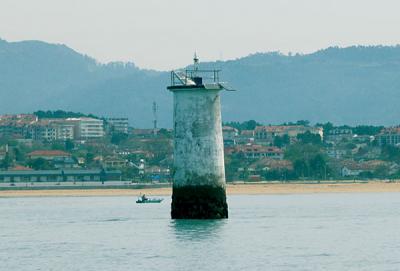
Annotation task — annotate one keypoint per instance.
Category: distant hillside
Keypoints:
(351, 85)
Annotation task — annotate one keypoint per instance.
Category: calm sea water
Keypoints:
(271, 232)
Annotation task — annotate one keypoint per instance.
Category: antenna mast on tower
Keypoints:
(155, 118)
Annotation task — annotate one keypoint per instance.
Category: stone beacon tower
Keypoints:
(199, 171)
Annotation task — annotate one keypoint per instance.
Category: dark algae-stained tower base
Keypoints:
(199, 172)
(199, 202)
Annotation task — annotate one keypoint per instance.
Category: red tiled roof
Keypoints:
(275, 128)
(366, 165)
(19, 167)
(17, 120)
(390, 130)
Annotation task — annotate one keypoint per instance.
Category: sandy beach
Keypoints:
(232, 189)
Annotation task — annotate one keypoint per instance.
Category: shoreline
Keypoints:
(232, 189)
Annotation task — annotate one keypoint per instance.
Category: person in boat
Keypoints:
(144, 198)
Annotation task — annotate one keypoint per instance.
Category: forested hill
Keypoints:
(343, 85)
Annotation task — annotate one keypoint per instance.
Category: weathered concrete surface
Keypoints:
(198, 149)
(198, 155)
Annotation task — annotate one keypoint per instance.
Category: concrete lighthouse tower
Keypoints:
(199, 171)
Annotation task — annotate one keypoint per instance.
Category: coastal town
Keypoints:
(61, 147)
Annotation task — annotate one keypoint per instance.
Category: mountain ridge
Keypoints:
(352, 85)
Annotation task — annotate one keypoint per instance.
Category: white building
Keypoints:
(267, 133)
(389, 136)
(87, 128)
(339, 134)
(64, 131)
(119, 124)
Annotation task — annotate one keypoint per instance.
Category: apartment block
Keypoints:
(119, 125)
(87, 128)
(389, 136)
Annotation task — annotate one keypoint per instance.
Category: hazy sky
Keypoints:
(163, 34)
